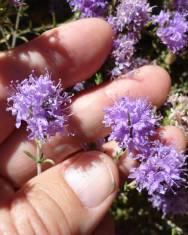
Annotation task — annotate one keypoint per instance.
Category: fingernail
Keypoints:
(91, 178)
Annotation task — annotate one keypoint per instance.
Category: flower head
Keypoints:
(41, 104)
(132, 15)
(172, 30)
(133, 123)
(171, 203)
(124, 48)
(89, 8)
(161, 172)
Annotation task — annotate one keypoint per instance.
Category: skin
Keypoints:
(47, 204)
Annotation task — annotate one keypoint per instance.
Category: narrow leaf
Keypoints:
(30, 156)
(50, 161)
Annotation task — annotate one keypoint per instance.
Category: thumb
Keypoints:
(69, 199)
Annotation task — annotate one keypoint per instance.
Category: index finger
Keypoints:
(72, 52)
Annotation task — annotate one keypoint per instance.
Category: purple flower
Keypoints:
(79, 86)
(172, 30)
(161, 172)
(131, 15)
(41, 104)
(89, 8)
(139, 62)
(170, 203)
(122, 53)
(133, 123)
(181, 5)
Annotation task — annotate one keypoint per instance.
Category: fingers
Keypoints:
(86, 121)
(171, 135)
(70, 198)
(72, 52)
(6, 190)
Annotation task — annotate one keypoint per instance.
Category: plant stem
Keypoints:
(39, 168)
(14, 37)
(39, 153)
(170, 58)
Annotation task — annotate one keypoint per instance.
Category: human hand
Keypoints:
(73, 196)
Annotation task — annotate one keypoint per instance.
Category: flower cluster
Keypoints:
(162, 169)
(133, 123)
(89, 8)
(123, 54)
(160, 172)
(130, 18)
(41, 104)
(124, 48)
(172, 30)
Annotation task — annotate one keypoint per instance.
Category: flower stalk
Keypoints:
(39, 157)
(14, 37)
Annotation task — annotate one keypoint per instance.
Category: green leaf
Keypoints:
(30, 156)
(42, 158)
(50, 161)
(98, 78)
(118, 155)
